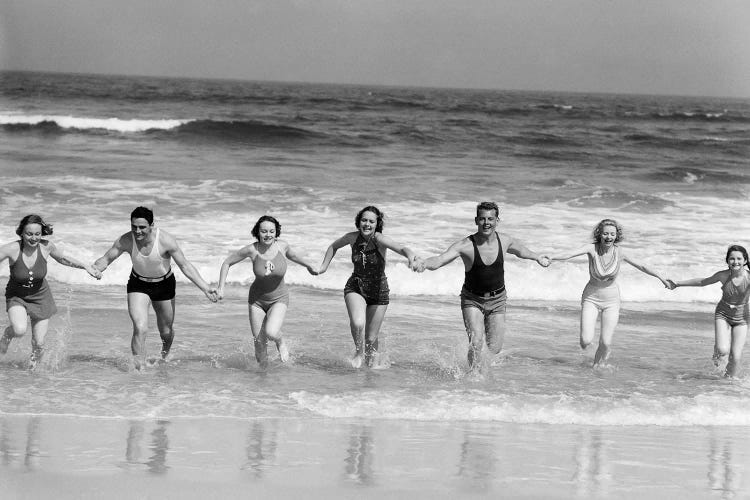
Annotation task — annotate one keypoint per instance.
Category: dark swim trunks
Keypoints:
(157, 291)
(374, 290)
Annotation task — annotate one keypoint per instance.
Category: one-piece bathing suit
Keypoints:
(28, 287)
(368, 279)
(733, 304)
(269, 287)
(602, 289)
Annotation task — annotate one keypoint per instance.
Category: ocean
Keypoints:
(211, 156)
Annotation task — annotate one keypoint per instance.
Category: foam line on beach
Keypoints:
(478, 406)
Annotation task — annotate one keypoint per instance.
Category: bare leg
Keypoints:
(589, 315)
(38, 333)
(164, 310)
(374, 319)
(356, 307)
(610, 317)
(494, 329)
(138, 310)
(739, 335)
(722, 342)
(272, 328)
(260, 342)
(474, 323)
(17, 328)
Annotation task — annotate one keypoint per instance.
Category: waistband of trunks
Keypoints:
(150, 280)
(486, 295)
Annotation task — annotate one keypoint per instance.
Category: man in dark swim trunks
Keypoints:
(151, 279)
(483, 294)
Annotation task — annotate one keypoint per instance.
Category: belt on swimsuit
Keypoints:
(150, 280)
(486, 294)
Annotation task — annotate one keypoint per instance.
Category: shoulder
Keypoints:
(506, 240)
(167, 240)
(282, 245)
(463, 245)
(124, 241)
(10, 249)
(349, 238)
(47, 246)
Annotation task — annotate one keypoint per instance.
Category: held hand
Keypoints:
(94, 272)
(670, 284)
(416, 263)
(544, 261)
(220, 293)
(212, 294)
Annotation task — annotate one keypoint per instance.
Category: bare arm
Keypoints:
(119, 247)
(719, 276)
(174, 250)
(571, 254)
(8, 250)
(233, 258)
(515, 247)
(396, 247)
(347, 239)
(449, 255)
(69, 261)
(642, 268)
(292, 255)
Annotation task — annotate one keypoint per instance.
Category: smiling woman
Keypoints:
(27, 293)
(366, 292)
(269, 296)
(601, 293)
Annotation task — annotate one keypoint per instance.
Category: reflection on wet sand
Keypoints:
(32, 451)
(477, 461)
(358, 464)
(262, 442)
(592, 475)
(159, 447)
(724, 473)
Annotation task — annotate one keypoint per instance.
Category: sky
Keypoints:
(680, 47)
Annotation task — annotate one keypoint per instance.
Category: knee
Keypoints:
(722, 349)
(140, 328)
(357, 325)
(16, 329)
(476, 338)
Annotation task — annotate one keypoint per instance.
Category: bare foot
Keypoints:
(283, 351)
(357, 360)
(5, 341)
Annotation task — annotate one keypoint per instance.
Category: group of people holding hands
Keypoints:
(366, 293)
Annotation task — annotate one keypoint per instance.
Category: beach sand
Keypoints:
(69, 458)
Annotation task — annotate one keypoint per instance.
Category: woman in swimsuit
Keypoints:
(366, 292)
(602, 293)
(731, 315)
(27, 292)
(269, 296)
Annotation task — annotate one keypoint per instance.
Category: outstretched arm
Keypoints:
(515, 247)
(117, 249)
(717, 277)
(397, 247)
(69, 261)
(570, 254)
(347, 239)
(642, 268)
(233, 258)
(449, 255)
(292, 255)
(174, 250)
